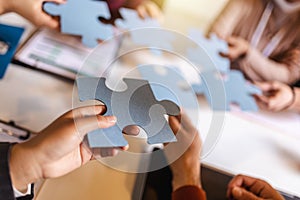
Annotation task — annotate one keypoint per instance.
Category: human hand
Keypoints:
(276, 96)
(149, 9)
(247, 188)
(58, 149)
(33, 11)
(238, 47)
(186, 168)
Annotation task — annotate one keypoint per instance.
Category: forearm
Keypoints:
(296, 104)
(259, 68)
(225, 23)
(5, 6)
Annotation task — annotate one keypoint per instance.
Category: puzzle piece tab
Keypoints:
(162, 78)
(211, 47)
(145, 31)
(222, 91)
(134, 106)
(85, 24)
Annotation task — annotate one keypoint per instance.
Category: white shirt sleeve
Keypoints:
(20, 194)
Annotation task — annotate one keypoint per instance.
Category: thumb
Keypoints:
(242, 194)
(90, 123)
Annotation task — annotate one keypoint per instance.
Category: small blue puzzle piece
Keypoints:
(145, 31)
(162, 78)
(134, 106)
(211, 47)
(81, 17)
(9, 39)
(234, 86)
(239, 91)
(131, 20)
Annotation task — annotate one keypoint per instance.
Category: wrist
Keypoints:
(186, 178)
(23, 169)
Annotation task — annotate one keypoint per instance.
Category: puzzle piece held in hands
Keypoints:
(134, 106)
(211, 47)
(222, 91)
(145, 31)
(86, 23)
(9, 40)
(162, 78)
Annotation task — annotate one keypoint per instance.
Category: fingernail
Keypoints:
(111, 119)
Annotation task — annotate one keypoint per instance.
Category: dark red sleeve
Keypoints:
(189, 193)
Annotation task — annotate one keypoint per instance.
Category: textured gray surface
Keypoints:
(134, 106)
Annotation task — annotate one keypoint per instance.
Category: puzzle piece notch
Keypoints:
(207, 54)
(145, 31)
(129, 107)
(233, 86)
(163, 78)
(87, 23)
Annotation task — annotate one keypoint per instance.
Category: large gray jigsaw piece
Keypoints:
(134, 106)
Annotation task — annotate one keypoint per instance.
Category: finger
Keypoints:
(174, 124)
(237, 181)
(86, 154)
(153, 11)
(262, 105)
(276, 104)
(232, 41)
(87, 124)
(131, 130)
(264, 86)
(186, 123)
(242, 194)
(240, 181)
(87, 111)
(142, 12)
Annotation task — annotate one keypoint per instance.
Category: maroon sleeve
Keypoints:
(189, 193)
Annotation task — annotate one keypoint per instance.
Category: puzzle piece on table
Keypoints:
(9, 39)
(134, 106)
(85, 24)
(132, 20)
(222, 91)
(207, 54)
(239, 91)
(145, 31)
(162, 78)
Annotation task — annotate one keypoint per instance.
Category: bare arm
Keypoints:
(225, 23)
(259, 68)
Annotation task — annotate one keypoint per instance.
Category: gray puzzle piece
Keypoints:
(134, 106)
(162, 78)
(85, 24)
